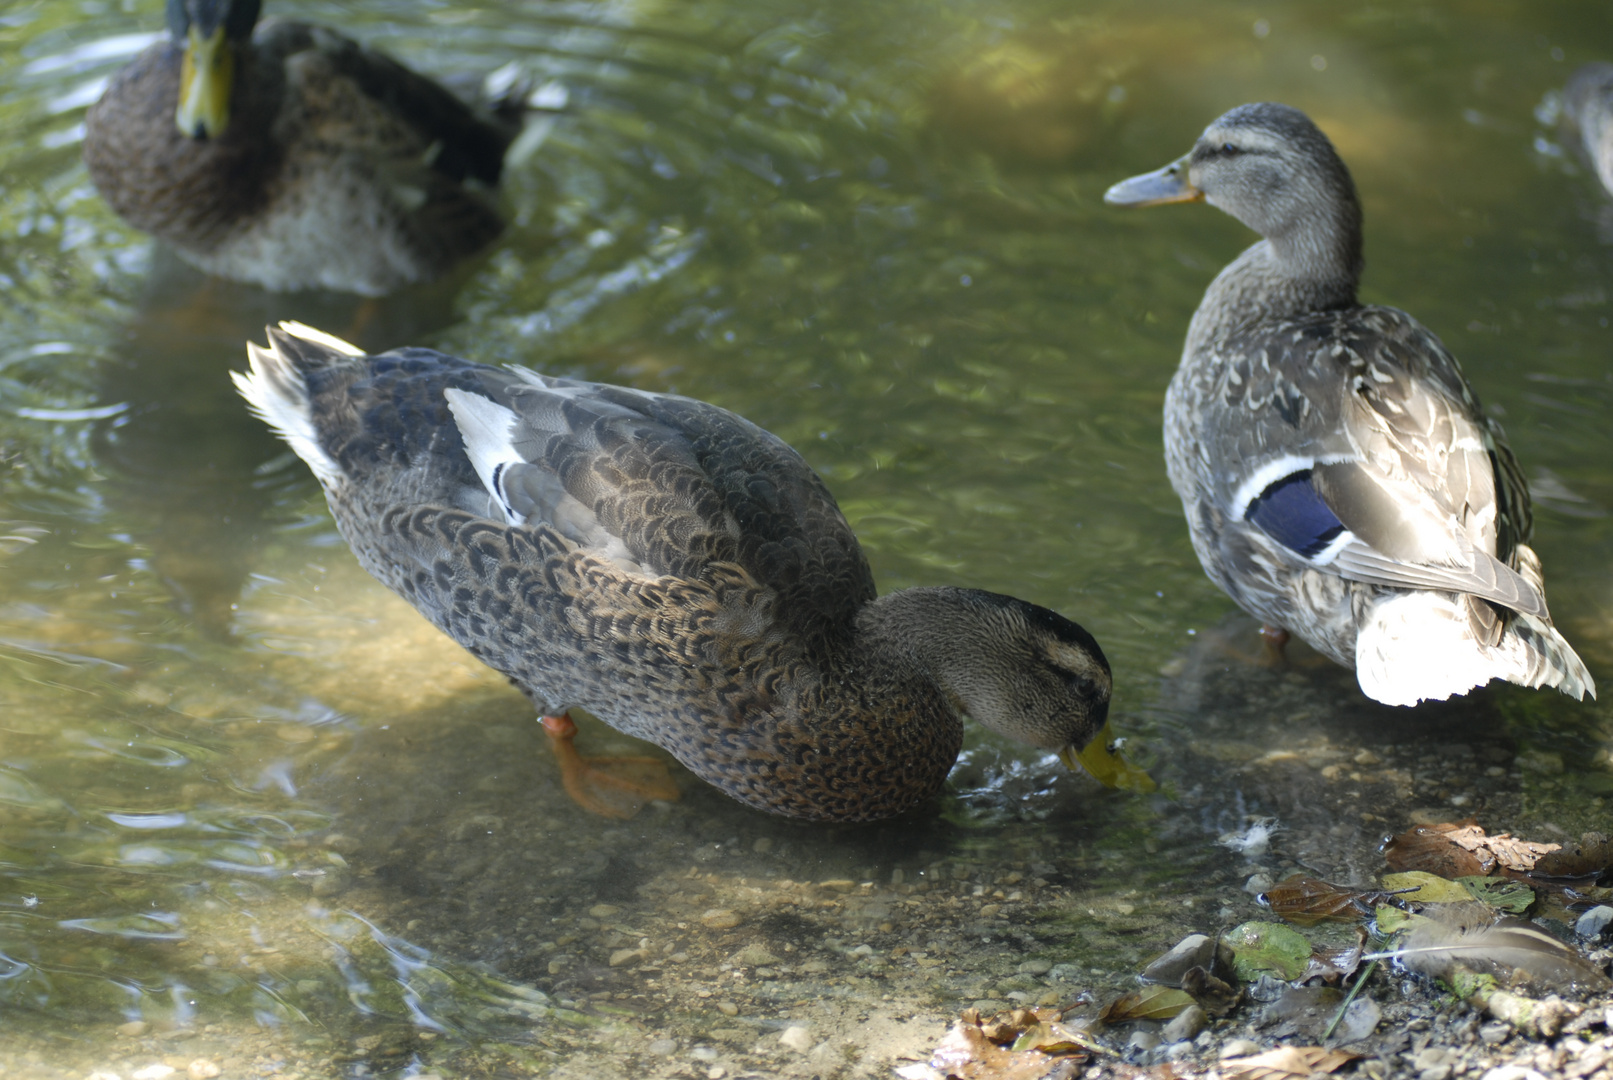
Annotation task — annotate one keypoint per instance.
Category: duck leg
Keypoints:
(613, 787)
(1275, 639)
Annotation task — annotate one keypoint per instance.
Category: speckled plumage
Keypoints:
(1589, 101)
(1398, 548)
(340, 169)
(672, 568)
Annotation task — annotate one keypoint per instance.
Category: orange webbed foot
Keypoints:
(613, 787)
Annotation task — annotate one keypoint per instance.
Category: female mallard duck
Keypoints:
(675, 570)
(293, 158)
(1589, 101)
(1338, 475)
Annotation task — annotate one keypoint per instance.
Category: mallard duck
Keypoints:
(1589, 102)
(675, 570)
(1339, 477)
(293, 157)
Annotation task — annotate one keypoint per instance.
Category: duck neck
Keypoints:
(1313, 265)
(923, 636)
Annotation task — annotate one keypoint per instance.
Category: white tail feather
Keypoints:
(1419, 646)
(278, 395)
(320, 337)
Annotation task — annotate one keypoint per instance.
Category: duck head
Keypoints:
(211, 33)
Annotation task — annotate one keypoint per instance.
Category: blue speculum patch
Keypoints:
(1292, 513)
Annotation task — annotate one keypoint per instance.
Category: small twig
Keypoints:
(1354, 990)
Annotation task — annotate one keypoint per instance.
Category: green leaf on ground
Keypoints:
(1431, 888)
(1510, 896)
(1260, 948)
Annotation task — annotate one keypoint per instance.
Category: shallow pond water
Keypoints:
(255, 812)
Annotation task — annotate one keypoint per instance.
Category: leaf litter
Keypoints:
(1452, 905)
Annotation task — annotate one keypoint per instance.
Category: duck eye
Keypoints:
(1228, 149)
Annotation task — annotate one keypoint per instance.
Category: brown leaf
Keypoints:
(1592, 855)
(1288, 1062)
(1149, 1003)
(966, 1053)
(1306, 901)
(1460, 849)
(1214, 996)
(1337, 962)
(971, 1050)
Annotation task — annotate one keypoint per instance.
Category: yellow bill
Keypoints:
(1107, 767)
(205, 79)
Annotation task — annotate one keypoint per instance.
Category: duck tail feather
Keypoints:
(1424, 646)
(276, 391)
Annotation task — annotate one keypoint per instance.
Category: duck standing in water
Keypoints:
(1339, 478)
(677, 571)
(293, 157)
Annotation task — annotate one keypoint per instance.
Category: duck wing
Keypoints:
(1378, 464)
(666, 486)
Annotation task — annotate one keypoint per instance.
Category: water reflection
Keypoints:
(243, 788)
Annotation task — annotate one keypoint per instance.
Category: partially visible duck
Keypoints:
(1339, 477)
(675, 570)
(1589, 101)
(293, 157)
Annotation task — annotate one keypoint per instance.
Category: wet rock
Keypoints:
(1237, 1048)
(663, 1047)
(1258, 883)
(624, 957)
(755, 955)
(1065, 972)
(720, 919)
(728, 1008)
(203, 1069)
(1036, 967)
(158, 1071)
(1195, 950)
(133, 1029)
(1186, 1024)
(603, 911)
(1301, 1014)
(1594, 923)
(1361, 1019)
(1495, 1032)
(330, 881)
(1512, 1072)
(703, 1053)
(1142, 1040)
(797, 1038)
(1435, 1063)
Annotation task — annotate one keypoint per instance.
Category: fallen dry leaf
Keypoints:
(1460, 849)
(965, 1053)
(1214, 995)
(1149, 1003)
(980, 1049)
(1306, 901)
(1337, 962)
(1593, 855)
(1288, 1062)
